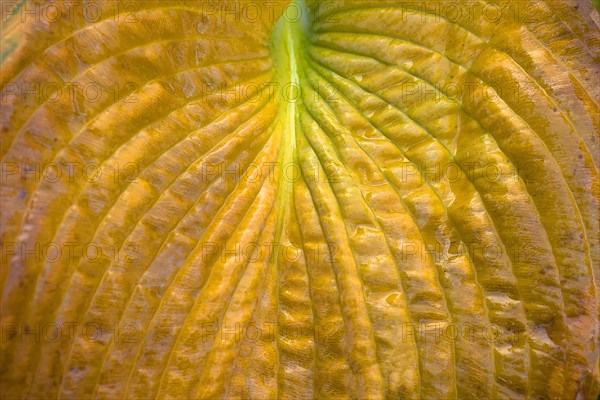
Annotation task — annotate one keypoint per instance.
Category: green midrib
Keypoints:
(286, 42)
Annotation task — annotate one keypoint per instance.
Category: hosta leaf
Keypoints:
(321, 199)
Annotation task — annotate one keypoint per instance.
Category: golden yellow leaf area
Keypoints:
(347, 199)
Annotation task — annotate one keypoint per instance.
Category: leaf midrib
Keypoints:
(285, 42)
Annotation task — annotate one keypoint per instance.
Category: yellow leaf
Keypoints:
(310, 199)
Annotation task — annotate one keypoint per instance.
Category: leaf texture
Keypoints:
(322, 199)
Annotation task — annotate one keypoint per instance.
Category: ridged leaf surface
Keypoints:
(328, 199)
